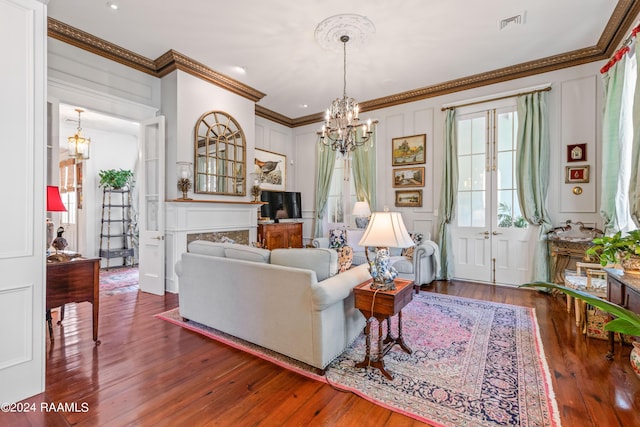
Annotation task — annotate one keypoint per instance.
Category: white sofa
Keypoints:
(288, 300)
(422, 267)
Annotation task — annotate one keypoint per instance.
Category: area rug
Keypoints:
(474, 363)
(118, 280)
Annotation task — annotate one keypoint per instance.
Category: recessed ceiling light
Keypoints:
(112, 5)
(304, 106)
(240, 70)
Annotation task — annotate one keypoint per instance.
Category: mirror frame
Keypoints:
(213, 130)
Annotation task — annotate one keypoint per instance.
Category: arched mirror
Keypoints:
(220, 155)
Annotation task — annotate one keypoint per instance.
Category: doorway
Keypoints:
(114, 145)
(492, 241)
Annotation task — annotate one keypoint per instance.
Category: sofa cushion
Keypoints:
(345, 258)
(417, 240)
(204, 247)
(247, 253)
(337, 238)
(321, 260)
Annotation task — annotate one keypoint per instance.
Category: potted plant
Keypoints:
(115, 179)
(618, 248)
(626, 321)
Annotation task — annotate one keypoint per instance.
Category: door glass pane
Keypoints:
(464, 209)
(478, 208)
(478, 135)
(505, 170)
(478, 172)
(506, 131)
(464, 173)
(464, 137)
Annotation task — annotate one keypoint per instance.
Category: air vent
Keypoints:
(512, 20)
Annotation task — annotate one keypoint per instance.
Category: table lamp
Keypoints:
(385, 230)
(361, 212)
(54, 204)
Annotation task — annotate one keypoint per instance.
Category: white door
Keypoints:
(492, 241)
(151, 206)
(22, 152)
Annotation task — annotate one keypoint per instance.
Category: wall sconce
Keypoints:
(185, 173)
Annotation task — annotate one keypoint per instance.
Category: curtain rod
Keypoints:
(546, 89)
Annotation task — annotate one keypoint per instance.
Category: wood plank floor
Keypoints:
(148, 372)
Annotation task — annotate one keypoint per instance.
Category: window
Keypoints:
(342, 194)
(68, 185)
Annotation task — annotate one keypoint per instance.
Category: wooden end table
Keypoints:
(77, 280)
(381, 305)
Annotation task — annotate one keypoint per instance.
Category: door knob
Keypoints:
(495, 233)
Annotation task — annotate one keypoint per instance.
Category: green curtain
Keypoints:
(326, 158)
(448, 195)
(634, 184)
(532, 173)
(364, 172)
(613, 82)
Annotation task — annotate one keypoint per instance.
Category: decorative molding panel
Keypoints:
(16, 310)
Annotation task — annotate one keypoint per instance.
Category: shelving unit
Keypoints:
(116, 233)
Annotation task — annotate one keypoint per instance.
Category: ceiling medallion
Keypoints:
(358, 28)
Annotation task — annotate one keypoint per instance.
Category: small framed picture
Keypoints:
(409, 198)
(576, 153)
(408, 150)
(408, 177)
(576, 174)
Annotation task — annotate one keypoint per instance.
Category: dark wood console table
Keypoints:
(382, 305)
(77, 281)
(624, 290)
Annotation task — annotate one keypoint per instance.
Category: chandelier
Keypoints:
(342, 130)
(79, 145)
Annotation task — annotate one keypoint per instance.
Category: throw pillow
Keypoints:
(345, 258)
(337, 238)
(417, 240)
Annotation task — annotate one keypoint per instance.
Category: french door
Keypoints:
(492, 241)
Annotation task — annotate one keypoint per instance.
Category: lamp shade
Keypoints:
(361, 209)
(386, 229)
(54, 201)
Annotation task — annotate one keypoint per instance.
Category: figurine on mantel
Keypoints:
(60, 243)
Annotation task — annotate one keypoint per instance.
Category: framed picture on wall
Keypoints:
(576, 153)
(574, 174)
(271, 168)
(409, 198)
(408, 177)
(408, 150)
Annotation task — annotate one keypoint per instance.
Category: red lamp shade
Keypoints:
(54, 202)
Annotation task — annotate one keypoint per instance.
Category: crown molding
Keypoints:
(622, 18)
(160, 67)
(173, 60)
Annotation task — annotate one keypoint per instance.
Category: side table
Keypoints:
(76, 281)
(381, 305)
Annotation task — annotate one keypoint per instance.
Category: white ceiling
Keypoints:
(417, 43)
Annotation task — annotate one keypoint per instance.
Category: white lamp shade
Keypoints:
(386, 229)
(361, 209)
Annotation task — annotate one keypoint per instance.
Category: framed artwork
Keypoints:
(408, 177)
(271, 169)
(576, 153)
(408, 198)
(408, 150)
(576, 174)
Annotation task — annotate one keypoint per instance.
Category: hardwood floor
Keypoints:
(148, 372)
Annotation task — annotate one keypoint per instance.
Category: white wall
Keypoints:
(574, 105)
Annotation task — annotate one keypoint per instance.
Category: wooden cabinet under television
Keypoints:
(280, 235)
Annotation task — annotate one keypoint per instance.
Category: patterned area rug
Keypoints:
(118, 280)
(474, 363)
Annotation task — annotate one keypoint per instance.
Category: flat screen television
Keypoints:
(281, 205)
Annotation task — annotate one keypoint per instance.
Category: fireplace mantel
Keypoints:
(184, 217)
